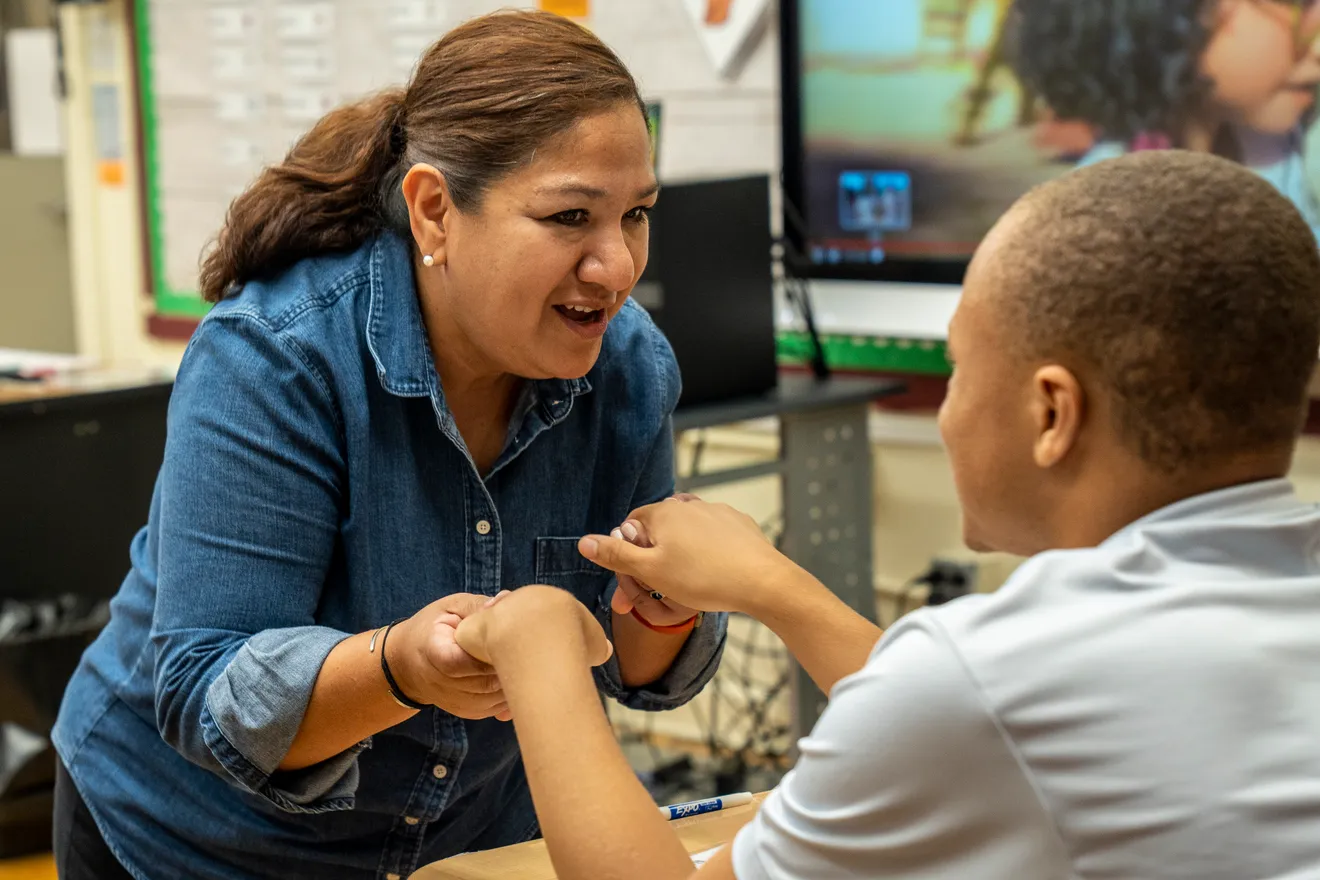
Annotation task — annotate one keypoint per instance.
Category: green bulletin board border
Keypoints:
(170, 303)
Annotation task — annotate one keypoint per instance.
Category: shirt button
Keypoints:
(439, 771)
(410, 820)
(483, 527)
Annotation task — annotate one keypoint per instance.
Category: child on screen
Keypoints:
(1232, 77)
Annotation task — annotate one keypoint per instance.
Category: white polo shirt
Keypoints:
(1146, 708)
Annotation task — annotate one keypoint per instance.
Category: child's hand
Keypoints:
(704, 556)
(653, 606)
(533, 619)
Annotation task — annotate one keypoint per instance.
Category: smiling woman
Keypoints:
(565, 231)
(422, 382)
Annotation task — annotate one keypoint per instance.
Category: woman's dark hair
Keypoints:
(479, 104)
(1124, 66)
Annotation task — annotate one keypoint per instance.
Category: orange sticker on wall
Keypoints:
(717, 11)
(110, 172)
(568, 8)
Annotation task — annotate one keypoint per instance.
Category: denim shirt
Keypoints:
(314, 486)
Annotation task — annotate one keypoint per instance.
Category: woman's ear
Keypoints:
(426, 194)
(1058, 407)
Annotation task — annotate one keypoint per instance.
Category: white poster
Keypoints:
(728, 30)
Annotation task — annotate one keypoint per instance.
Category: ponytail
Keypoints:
(327, 195)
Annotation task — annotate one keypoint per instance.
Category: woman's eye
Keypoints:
(640, 214)
(575, 217)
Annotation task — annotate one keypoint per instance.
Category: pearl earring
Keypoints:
(428, 261)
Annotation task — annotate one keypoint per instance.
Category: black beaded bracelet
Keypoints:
(399, 696)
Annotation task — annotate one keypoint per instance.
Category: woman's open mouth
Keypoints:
(584, 321)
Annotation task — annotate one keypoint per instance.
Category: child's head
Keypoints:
(1142, 329)
(1160, 66)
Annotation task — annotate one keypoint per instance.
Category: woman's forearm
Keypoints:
(644, 654)
(351, 699)
(350, 702)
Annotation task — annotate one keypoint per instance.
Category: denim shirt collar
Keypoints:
(397, 338)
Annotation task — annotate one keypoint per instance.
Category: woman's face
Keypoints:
(532, 279)
(1264, 62)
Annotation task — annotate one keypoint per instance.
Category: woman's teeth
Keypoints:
(580, 314)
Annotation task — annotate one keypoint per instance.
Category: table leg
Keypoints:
(827, 517)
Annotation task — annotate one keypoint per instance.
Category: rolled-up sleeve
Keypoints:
(250, 509)
(699, 657)
(691, 670)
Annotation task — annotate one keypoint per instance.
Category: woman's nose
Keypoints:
(609, 264)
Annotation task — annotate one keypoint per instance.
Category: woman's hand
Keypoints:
(704, 556)
(431, 667)
(537, 619)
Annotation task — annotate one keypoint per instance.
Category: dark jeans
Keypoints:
(80, 851)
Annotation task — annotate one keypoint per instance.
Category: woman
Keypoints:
(1231, 77)
(421, 383)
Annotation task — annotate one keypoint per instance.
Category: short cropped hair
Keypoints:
(1187, 284)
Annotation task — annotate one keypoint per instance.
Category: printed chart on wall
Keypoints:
(228, 87)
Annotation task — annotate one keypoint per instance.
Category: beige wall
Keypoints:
(36, 299)
(110, 303)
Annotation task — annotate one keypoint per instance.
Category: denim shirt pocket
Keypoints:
(559, 564)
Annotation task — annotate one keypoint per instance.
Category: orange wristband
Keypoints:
(671, 629)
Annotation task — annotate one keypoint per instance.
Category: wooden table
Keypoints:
(531, 861)
(82, 383)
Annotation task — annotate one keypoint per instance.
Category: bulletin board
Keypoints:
(227, 86)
